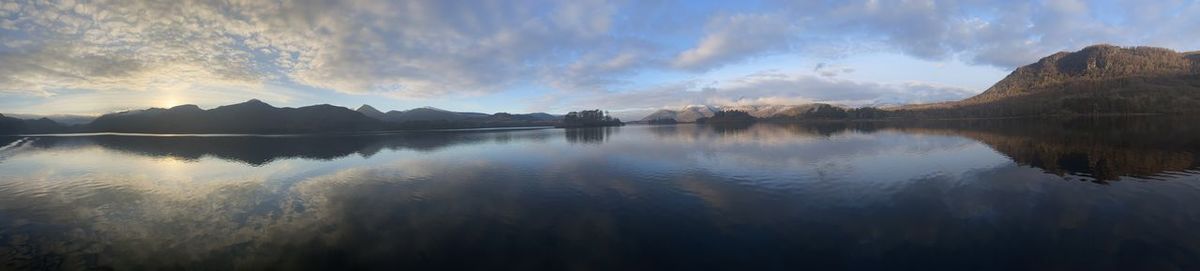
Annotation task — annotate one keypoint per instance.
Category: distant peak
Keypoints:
(432, 108)
(185, 107)
(367, 107)
(254, 101)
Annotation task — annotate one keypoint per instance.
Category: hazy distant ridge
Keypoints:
(692, 113)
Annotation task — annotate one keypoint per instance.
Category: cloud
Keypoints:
(768, 86)
(831, 70)
(601, 69)
(403, 48)
(42, 71)
(776, 88)
(419, 49)
(65, 45)
(1005, 34)
(733, 38)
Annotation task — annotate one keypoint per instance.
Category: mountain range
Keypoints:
(257, 117)
(65, 119)
(1097, 80)
(435, 114)
(252, 116)
(692, 113)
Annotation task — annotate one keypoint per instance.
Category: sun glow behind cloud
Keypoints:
(169, 102)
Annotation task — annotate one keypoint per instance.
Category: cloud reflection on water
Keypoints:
(647, 197)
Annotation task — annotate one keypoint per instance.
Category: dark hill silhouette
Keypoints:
(1099, 79)
(252, 116)
(431, 114)
(434, 118)
(418, 114)
(64, 119)
(257, 117)
(10, 125)
(371, 112)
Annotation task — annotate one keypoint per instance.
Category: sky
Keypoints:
(629, 57)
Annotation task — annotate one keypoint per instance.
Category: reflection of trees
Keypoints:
(590, 135)
(432, 214)
(583, 213)
(729, 128)
(760, 130)
(1100, 148)
(260, 150)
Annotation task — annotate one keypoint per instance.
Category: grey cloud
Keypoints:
(403, 48)
(782, 86)
(736, 37)
(1000, 33)
(87, 46)
(603, 68)
(831, 70)
(437, 48)
(775, 88)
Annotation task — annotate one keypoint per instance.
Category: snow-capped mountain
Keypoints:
(692, 112)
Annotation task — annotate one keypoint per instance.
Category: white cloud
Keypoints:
(736, 37)
(1005, 34)
(831, 70)
(774, 88)
(438, 49)
(402, 48)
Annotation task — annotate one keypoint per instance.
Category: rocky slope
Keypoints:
(1097, 62)
(1099, 79)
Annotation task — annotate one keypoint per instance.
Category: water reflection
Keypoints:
(1093, 149)
(590, 135)
(1096, 149)
(866, 196)
(729, 128)
(260, 150)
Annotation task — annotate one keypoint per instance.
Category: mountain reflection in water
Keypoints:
(948, 195)
(1099, 149)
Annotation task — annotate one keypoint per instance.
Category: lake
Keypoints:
(1020, 194)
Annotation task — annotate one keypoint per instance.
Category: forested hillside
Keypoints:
(1100, 79)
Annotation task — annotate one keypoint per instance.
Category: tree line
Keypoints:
(590, 118)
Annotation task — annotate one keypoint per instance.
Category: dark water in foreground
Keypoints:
(1106, 194)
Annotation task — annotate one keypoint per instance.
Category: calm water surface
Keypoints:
(1097, 194)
